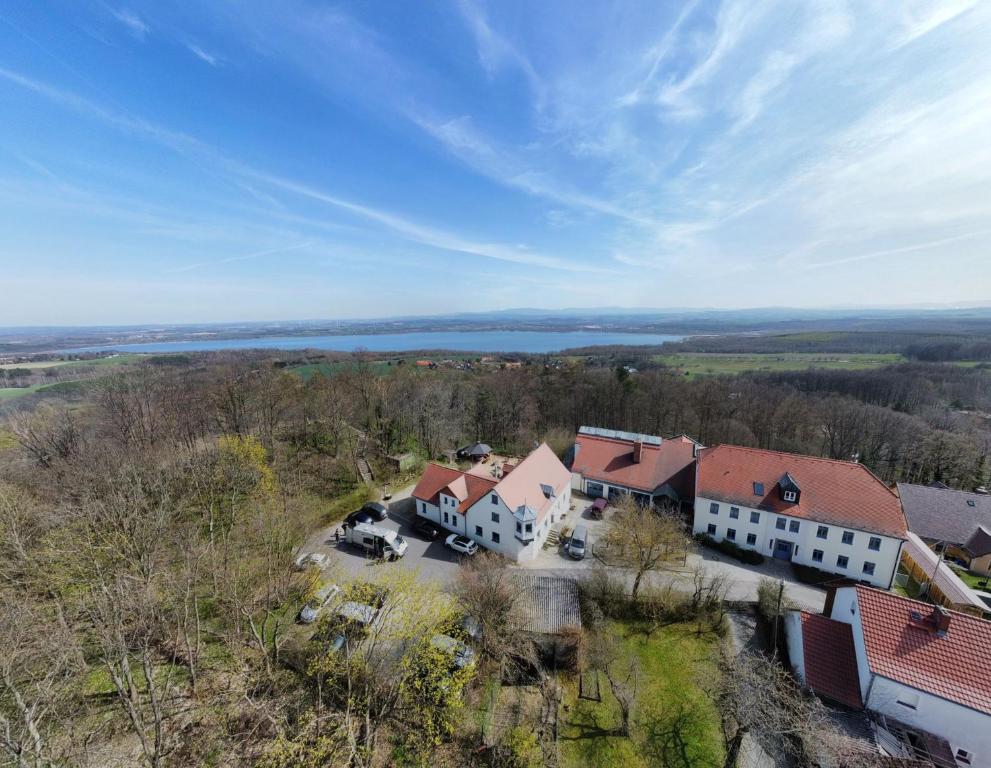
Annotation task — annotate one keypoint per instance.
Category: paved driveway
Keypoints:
(434, 561)
(431, 559)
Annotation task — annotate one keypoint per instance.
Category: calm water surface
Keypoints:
(465, 341)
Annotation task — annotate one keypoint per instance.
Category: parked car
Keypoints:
(578, 543)
(361, 516)
(597, 508)
(311, 560)
(309, 612)
(460, 653)
(461, 544)
(376, 510)
(426, 529)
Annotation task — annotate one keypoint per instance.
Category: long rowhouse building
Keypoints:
(836, 516)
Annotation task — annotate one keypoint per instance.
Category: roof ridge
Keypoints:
(807, 457)
(884, 594)
(951, 490)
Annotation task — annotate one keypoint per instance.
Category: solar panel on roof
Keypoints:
(616, 434)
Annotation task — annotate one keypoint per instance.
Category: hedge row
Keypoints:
(727, 547)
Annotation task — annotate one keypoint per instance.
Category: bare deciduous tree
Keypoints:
(644, 539)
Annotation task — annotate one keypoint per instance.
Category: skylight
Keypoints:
(758, 489)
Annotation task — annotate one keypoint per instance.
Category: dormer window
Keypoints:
(789, 490)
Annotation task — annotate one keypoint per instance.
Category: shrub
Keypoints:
(767, 599)
(521, 748)
(748, 556)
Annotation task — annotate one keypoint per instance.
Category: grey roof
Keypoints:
(980, 543)
(615, 434)
(546, 604)
(479, 449)
(940, 514)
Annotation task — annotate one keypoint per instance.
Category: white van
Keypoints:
(377, 540)
(578, 543)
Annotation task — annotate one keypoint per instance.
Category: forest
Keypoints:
(149, 518)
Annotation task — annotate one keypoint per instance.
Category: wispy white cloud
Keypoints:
(424, 234)
(495, 51)
(243, 257)
(134, 23)
(203, 55)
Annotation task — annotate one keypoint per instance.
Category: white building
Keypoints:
(510, 514)
(921, 671)
(835, 516)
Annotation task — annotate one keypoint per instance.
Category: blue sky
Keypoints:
(179, 162)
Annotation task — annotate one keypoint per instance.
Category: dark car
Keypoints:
(426, 529)
(376, 510)
(361, 516)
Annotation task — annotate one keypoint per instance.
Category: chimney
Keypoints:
(637, 451)
(940, 619)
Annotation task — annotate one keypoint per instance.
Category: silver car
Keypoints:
(309, 612)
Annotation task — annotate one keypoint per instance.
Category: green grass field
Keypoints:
(715, 363)
(674, 724)
(125, 359)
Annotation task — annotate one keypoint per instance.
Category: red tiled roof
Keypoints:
(956, 666)
(611, 460)
(437, 478)
(832, 491)
(830, 659)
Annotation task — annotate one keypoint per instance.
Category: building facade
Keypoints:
(510, 514)
(915, 665)
(830, 515)
(607, 464)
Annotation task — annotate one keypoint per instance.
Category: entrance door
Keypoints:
(783, 549)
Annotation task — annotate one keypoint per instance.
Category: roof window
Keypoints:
(758, 489)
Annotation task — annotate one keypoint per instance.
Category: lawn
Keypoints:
(715, 363)
(9, 393)
(675, 723)
(308, 371)
(973, 580)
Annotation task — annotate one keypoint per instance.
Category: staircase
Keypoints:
(364, 470)
(553, 539)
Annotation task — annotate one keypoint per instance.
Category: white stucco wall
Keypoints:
(480, 516)
(963, 727)
(805, 539)
(796, 648)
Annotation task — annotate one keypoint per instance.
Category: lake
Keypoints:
(536, 342)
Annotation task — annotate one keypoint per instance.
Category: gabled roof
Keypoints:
(953, 666)
(941, 514)
(523, 486)
(437, 478)
(830, 659)
(838, 492)
(980, 543)
(610, 460)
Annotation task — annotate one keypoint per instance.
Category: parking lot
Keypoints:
(433, 561)
(430, 558)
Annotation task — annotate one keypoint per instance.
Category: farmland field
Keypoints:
(715, 363)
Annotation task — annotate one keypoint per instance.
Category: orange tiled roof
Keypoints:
(954, 666)
(830, 659)
(832, 491)
(437, 478)
(611, 460)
